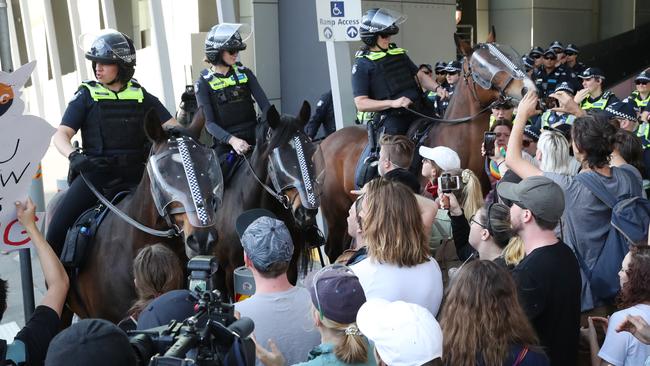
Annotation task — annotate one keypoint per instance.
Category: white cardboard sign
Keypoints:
(24, 139)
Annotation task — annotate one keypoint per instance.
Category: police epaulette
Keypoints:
(361, 53)
(90, 82)
(135, 83)
(607, 94)
(392, 45)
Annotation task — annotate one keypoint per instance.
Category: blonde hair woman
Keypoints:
(398, 250)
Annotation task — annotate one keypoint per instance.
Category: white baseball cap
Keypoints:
(404, 334)
(443, 156)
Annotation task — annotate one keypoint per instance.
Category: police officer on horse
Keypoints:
(110, 114)
(384, 79)
(226, 91)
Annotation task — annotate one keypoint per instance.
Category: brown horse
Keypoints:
(104, 287)
(469, 106)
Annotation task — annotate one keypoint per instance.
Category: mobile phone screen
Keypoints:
(488, 143)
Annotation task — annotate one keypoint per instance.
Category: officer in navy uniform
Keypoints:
(548, 76)
(452, 70)
(536, 54)
(571, 51)
(323, 115)
(110, 114)
(226, 91)
(592, 96)
(384, 79)
(558, 48)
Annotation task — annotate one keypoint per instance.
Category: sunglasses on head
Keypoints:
(641, 82)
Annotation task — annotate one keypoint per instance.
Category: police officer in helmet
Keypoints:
(110, 113)
(384, 79)
(226, 91)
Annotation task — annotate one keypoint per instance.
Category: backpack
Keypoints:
(628, 226)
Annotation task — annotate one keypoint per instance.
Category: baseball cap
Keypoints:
(336, 293)
(543, 197)
(404, 334)
(266, 240)
(174, 305)
(623, 109)
(644, 75)
(443, 156)
(592, 72)
(94, 342)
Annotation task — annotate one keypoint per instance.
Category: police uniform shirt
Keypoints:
(323, 115)
(203, 88)
(365, 70)
(611, 98)
(546, 82)
(81, 103)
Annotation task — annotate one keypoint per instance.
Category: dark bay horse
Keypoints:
(469, 106)
(104, 287)
(245, 191)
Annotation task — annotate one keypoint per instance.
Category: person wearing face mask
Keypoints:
(227, 91)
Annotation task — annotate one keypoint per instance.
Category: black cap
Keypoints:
(623, 109)
(572, 48)
(440, 66)
(556, 45)
(643, 76)
(426, 66)
(592, 72)
(564, 86)
(453, 66)
(550, 52)
(174, 305)
(529, 63)
(536, 51)
(94, 342)
(532, 131)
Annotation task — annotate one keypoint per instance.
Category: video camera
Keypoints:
(212, 337)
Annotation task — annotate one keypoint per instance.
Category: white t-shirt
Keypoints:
(623, 349)
(421, 284)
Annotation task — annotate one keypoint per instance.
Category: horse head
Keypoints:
(295, 165)
(186, 183)
(496, 69)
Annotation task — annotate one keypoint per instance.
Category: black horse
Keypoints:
(250, 186)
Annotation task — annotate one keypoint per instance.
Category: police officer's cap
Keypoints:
(550, 52)
(557, 46)
(528, 62)
(592, 72)
(426, 66)
(623, 109)
(643, 76)
(440, 67)
(537, 51)
(572, 48)
(453, 66)
(565, 87)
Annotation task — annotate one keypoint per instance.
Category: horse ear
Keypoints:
(198, 122)
(492, 36)
(305, 112)
(462, 46)
(273, 117)
(152, 126)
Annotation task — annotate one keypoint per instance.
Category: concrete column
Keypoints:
(53, 50)
(37, 87)
(160, 44)
(75, 29)
(226, 11)
(108, 10)
(338, 59)
(266, 45)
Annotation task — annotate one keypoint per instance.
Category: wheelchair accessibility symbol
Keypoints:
(337, 9)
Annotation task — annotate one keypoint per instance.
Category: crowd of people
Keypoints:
(528, 281)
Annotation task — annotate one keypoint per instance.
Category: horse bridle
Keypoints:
(467, 76)
(279, 196)
(173, 231)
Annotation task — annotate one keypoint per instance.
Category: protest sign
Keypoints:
(24, 139)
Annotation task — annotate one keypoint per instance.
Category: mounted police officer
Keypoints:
(592, 96)
(384, 79)
(548, 76)
(226, 91)
(110, 114)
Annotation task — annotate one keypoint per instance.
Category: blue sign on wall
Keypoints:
(337, 9)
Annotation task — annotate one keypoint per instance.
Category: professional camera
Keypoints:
(213, 336)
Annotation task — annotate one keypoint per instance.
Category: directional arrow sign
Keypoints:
(338, 20)
(352, 31)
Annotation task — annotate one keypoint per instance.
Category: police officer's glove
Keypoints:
(80, 162)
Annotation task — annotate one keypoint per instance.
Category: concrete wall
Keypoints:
(616, 16)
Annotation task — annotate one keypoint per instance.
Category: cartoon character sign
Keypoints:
(23, 142)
